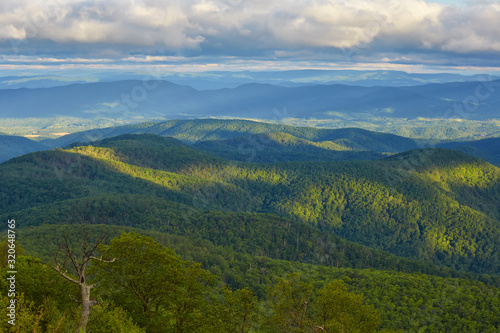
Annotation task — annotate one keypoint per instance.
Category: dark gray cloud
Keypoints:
(328, 30)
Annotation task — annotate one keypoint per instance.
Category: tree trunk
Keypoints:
(86, 305)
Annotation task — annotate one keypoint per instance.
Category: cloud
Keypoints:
(373, 29)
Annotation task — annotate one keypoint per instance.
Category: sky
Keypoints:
(198, 35)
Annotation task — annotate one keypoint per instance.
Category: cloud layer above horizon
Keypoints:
(413, 32)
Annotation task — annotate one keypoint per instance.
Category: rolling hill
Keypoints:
(326, 144)
(436, 205)
(281, 147)
(192, 131)
(243, 140)
(487, 149)
(13, 146)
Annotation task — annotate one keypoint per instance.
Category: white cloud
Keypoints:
(233, 27)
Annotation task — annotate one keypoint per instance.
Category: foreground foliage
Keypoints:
(234, 292)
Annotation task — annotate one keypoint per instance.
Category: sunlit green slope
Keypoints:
(438, 206)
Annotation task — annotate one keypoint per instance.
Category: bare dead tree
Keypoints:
(79, 268)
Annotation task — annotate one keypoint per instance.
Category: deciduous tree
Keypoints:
(79, 267)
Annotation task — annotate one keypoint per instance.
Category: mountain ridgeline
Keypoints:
(223, 79)
(199, 130)
(250, 141)
(13, 146)
(239, 139)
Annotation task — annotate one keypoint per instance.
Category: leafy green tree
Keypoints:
(107, 318)
(289, 303)
(24, 318)
(4, 252)
(161, 291)
(340, 311)
(237, 310)
(39, 306)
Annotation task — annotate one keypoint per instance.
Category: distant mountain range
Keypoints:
(225, 79)
(136, 98)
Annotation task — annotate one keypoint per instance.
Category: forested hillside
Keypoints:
(424, 223)
(251, 141)
(282, 147)
(487, 149)
(191, 131)
(13, 146)
(440, 206)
